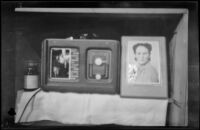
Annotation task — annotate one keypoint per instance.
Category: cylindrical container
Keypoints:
(31, 75)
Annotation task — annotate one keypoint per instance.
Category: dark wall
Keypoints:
(193, 74)
(11, 46)
(7, 61)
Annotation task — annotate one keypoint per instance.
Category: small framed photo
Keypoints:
(144, 67)
(60, 63)
(63, 65)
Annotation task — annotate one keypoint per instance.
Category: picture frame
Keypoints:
(144, 67)
(71, 65)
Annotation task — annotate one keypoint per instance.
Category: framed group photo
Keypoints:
(60, 63)
(144, 67)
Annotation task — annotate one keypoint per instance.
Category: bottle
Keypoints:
(31, 75)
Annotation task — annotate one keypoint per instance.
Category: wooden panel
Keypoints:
(7, 66)
(178, 114)
(193, 97)
(104, 10)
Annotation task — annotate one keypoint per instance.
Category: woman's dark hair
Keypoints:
(147, 45)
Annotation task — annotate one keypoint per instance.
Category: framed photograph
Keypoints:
(61, 63)
(144, 67)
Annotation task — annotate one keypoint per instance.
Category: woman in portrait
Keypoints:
(143, 71)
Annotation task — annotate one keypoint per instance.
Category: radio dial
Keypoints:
(98, 76)
(98, 61)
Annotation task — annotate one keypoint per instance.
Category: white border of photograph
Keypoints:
(144, 89)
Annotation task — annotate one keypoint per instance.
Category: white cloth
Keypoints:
(91, 109)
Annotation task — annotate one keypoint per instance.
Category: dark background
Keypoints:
(9, 48)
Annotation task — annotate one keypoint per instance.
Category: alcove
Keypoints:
(33, 25)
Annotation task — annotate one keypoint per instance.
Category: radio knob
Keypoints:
(98, 76)
(98, 61)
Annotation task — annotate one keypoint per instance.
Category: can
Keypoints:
(31, 75)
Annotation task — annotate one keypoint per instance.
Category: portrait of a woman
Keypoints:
(142, 71)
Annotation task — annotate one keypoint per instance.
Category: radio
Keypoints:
(80, 65)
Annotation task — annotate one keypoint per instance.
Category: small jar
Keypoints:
(31, 75)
